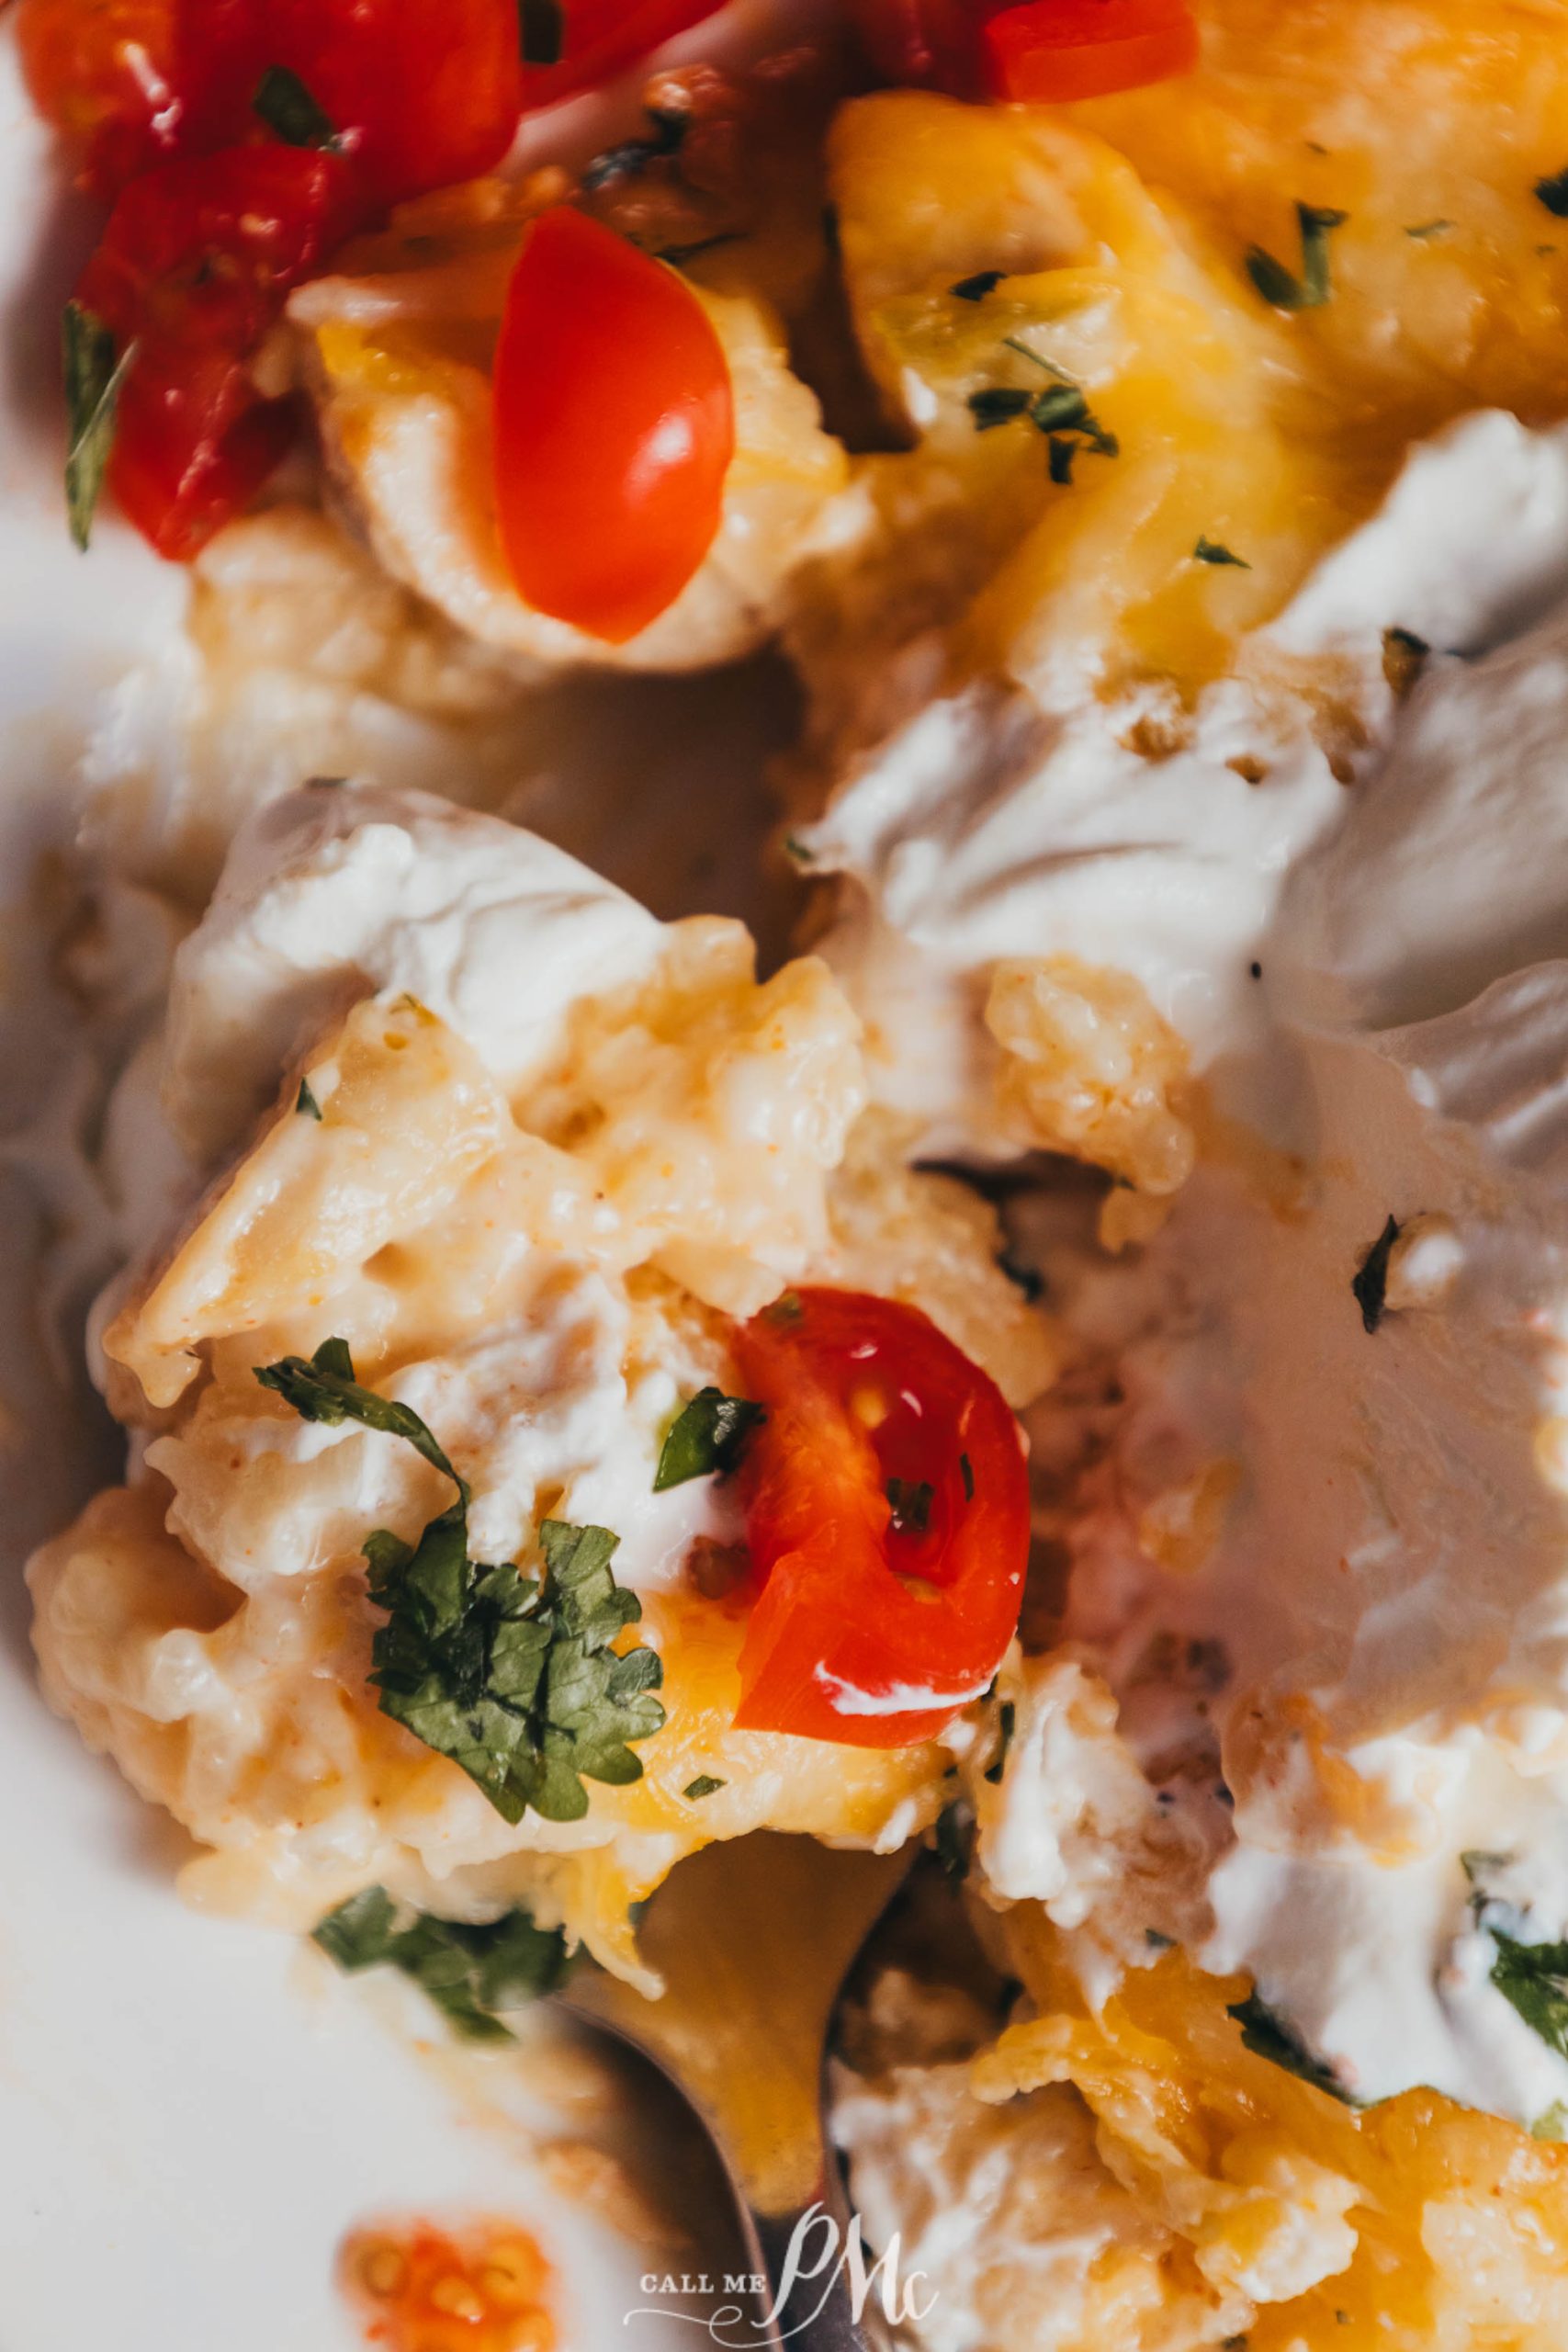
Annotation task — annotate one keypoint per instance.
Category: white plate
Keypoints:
(193, 2113)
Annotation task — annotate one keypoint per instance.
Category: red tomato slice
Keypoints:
(103, 72)
(875, 1627)
(194, 265)
(1056, 50)
(614, 425)
(604, 37)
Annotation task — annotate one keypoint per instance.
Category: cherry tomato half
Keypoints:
(194, 267)
(887, 1518)
(601, 37)
(1055, 51)
(614, 425)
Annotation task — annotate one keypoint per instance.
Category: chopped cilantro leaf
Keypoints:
(911, 1500)
(1156, 1942)
(976, 289)
(1212, 551)
(1370, 1284)
(1263, 2033)
(290, 110)
(798, 850)
(93, 380)
(997, 404)
(304, 1102)
(542, 30)
(468, 1971)
(1278, 285)
(513, 1677)
(1553, 193)
(705, 1785)
(1534, 1979)
(1060, 455)
(708, 1434)
(1007, 1720)
(1058, 408)
(1553, 2124)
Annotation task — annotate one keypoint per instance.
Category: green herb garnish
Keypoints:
(1060, 455)
(542, 31)
(305, 1102)
(976, 289)
(291, 111)
(1264, 2034)
(1534, 1979)
(997, 404)
(1552, 2123)
(1007, 1719)
(911, 1500)
(1212, 551)
(1370, 1284)
(709, 1435)
(468, 1971)
(513, 1678)
(705, 1785)
(1553, 193)
(1157, 1942)
(94, 378)
(1280, 286)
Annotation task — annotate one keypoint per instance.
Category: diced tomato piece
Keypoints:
(887, 1517)
(614, 425)
(602, 38)
(103, 72)
(422, 93)
(194, 267)
(1046, 52)
(1055, 51)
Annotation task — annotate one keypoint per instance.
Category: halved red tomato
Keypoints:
(601, 37)
(887, 1519)
(614, 425)
(194, 267)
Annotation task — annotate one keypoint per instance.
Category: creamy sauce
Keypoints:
(1324, 1569)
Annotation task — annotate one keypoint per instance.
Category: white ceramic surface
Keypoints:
(192, 2112)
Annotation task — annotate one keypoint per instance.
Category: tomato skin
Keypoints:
(854, 1612)
(1053, 51)
(604, 38)
(194, 265)
(614, 426)
(104, 72)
